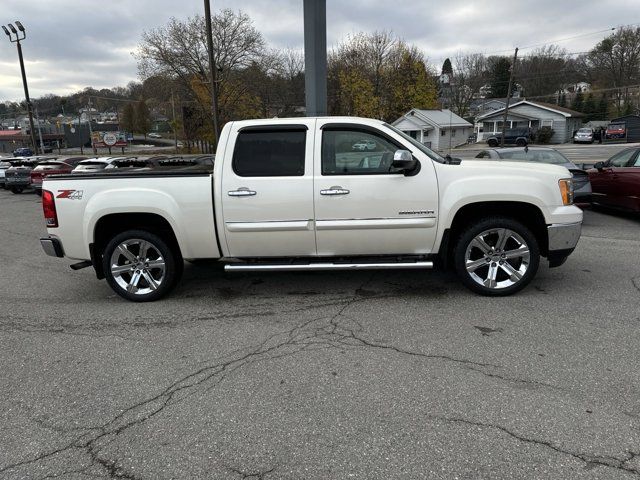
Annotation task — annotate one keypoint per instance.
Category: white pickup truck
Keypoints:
(293, 194)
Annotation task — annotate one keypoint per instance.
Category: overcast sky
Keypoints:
(72, 44)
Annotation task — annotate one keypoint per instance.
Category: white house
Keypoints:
(437, 129)
(533, 115)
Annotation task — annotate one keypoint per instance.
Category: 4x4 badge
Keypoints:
(70, 194)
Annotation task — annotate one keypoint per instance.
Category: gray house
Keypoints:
(525, 113)
(437, 129)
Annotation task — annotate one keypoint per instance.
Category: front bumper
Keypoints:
(563, 238)
(564, 235)
(52, 247)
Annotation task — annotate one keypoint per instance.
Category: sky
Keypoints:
(72, 44)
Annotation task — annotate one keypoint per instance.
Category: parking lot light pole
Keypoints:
(15, 36)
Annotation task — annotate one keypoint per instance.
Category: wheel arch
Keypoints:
(528, 214)
(113, 224)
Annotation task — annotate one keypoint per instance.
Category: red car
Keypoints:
(615, 131)
(616, 182)
(52, 167)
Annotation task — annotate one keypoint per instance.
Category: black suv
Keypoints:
(512, 136)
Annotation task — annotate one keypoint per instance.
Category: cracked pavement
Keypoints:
(320, 375)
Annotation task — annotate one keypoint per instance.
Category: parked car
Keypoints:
(364, 145)
(512, 136)
(615, 131)
(584, 135)
(581, 184)
(52, 167)
(135, 163)
(4, 165)
(616, 182)
(190, 162)
(272, 204)
(18, 176)
(23, 152)
(154, 135)
(96, 164)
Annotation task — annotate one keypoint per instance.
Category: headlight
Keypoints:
(566, 190)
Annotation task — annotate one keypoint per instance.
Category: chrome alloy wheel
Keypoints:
(137, 266)
(497, 258)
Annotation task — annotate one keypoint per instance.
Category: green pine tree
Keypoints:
(499, 78)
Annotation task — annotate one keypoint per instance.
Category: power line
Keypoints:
(551, 42)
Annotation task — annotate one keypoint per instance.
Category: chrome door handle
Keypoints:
(334, 191)
(241, 192)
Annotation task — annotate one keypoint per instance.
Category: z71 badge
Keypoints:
(70, 194)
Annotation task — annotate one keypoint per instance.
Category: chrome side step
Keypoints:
(263, 267)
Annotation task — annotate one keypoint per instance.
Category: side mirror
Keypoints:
(599, 166)
(403, 160)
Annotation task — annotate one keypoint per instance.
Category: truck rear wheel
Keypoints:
(496, 256)
(17, 189)
(492, 142)
(140, 266)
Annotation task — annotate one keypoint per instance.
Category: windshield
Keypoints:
(540, 156)
(584, 130)
(423, 148)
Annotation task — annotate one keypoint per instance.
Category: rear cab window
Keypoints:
(277, 151)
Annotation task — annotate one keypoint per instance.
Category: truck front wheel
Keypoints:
(496, 256)
(140, 266)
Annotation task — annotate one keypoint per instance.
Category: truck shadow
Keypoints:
(210, 278)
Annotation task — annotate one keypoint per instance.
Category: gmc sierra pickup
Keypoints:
(295, 194)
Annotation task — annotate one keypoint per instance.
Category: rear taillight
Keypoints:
(49, 209)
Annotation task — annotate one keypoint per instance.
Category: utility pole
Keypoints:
(315, 56)
(212, 68)
(17, 40)
(39, 131)
(95, 152)
(174, 126)
(506, 108)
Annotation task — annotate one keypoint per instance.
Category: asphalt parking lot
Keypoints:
(364, 375)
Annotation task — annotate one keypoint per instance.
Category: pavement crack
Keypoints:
(590, 461)
(250, 474)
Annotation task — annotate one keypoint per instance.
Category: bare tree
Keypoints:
(179, 50)
(469, 76)
(545, 71)
(615, 62)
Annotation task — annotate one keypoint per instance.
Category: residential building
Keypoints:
(526, 113)
(437, 129)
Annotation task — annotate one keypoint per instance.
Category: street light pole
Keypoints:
(17, 40)
(212, 68)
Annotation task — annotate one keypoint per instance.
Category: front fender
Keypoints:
(496, 188)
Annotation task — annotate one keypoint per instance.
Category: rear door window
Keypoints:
(270, 153)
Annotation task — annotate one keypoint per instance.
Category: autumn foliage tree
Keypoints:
(378, 75)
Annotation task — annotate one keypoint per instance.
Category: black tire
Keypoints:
(492, 142)
(521, 143)
(502, 278)
(17, 189)
(173, 266)
(38, 192)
